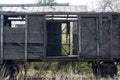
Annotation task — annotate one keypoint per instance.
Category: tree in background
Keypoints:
(47, 2)
(109, 5)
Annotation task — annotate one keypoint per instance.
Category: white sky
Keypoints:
(90, 3)
(72, 2)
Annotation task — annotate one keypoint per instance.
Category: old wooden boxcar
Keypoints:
(60, 36)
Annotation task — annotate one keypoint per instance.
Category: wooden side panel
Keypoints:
(14, 39)
(36, 29)
(105, 37)
(15, 51)
(14, 35)
(88, 37)
(115, 50)
(110, 37)
(100, 40)
(36, 36)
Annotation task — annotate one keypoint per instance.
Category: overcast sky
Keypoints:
(72, 2)
(91, 4)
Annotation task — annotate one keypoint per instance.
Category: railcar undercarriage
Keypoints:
(104, 69)
(10, 69)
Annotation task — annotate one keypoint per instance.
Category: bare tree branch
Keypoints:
(109, 5)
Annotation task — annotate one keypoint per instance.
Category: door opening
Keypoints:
(59, 38)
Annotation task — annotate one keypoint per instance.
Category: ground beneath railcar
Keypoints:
(59, 71)
(73, 78)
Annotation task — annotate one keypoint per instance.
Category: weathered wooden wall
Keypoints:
(14, 39)
(99, 36)
(36, 37)
(88, 37)
(95, 36)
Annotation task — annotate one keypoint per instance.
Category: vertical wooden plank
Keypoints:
(45, 38)
(75, 38)
(111, 36)
(26, 37)
(98, 37)
(1, 60)
(80, 35)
